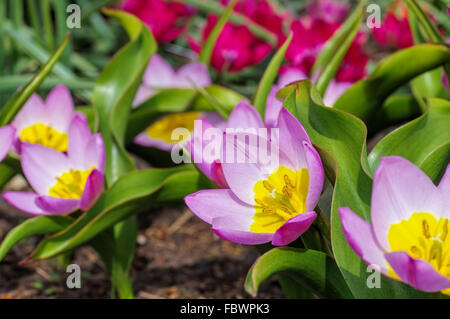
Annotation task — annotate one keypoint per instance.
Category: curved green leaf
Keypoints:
(268, 78)
(115, 90)
(314, 269)
(435, 164)
(368, 95)
(396, 109)
(418, 138)
(41, 225)
(332, 45)
(132, 193)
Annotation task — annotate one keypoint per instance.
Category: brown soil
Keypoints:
(178, 256)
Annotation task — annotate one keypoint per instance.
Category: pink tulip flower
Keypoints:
(408, 239)
(63, 182)
(263, 202)
(166, 19)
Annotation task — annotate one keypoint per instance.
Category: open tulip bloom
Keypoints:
(63, 182)
(45, 122)
(160, 75)
(409, 238)
(263, 202)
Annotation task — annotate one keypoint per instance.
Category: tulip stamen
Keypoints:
(46, 136)
(70, 184)
(279, 197)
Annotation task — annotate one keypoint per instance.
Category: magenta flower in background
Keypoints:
(409, 238)
(7, 134)
(236, 47)
(264, 202)
(394, 32)
(160, 75)
(63, 183)
(166, 19)
(312, 31)
(45, 122)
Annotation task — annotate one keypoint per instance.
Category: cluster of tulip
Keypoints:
(317, 197)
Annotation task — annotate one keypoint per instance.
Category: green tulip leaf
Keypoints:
(313, 269)
(42, 225)
(368, 95)
(115, 89)
(9, 111)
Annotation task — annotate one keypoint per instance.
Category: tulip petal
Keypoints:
(159, 73)
(92, 190)
(245, 116)
(293, 229)
(206, 134)
(242, 165)
(57, 206)
(361, 238)
(193, 75)
(41, 165)
(79, 137)
(25, 202)
(292, 135)
(400, 189)
(213, 203)
(417, 272)
(7, 134)
(316, 176)
(236, 229)
(59, 108)
(32, 112)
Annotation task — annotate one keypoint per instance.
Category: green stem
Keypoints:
(34, 16)
(17, 13)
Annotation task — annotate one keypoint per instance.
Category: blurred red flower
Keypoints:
(166, 19)
(236, 47)
(310, 34)
(394, 32)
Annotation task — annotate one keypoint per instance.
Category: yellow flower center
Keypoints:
(425, 237)
(70, 184)
(278, 198)
(46, 136)
(163, 128)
